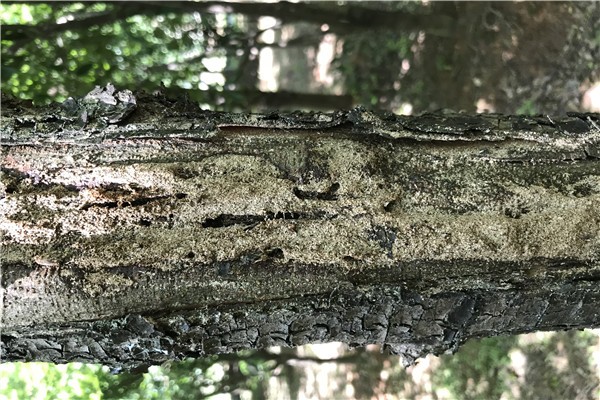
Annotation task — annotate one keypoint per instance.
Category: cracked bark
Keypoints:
(181, 232)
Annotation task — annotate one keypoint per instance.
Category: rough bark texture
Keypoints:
(133, 235)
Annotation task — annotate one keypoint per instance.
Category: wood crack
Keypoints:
(250, 221)
(131, 203)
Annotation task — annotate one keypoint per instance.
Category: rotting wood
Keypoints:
(179, 232)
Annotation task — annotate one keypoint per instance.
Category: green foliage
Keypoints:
(141, 46)
(40, 381)
(130, 47)
(479, 370)
(527, 108)
(555, 365)
(192, 378)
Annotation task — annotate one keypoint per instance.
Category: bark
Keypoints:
(132, 237)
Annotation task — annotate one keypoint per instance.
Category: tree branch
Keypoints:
(137, 236)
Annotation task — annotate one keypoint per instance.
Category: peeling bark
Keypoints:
(169, 231)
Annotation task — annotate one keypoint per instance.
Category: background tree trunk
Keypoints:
(173, 232)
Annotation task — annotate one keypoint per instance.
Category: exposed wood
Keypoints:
(137, 236)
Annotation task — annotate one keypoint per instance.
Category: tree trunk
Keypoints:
(134, 237)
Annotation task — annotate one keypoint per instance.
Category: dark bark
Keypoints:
(256, 100)
(292, 100)
(133, 237)
(282, 100)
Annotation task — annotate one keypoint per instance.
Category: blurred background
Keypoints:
(404, 57)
